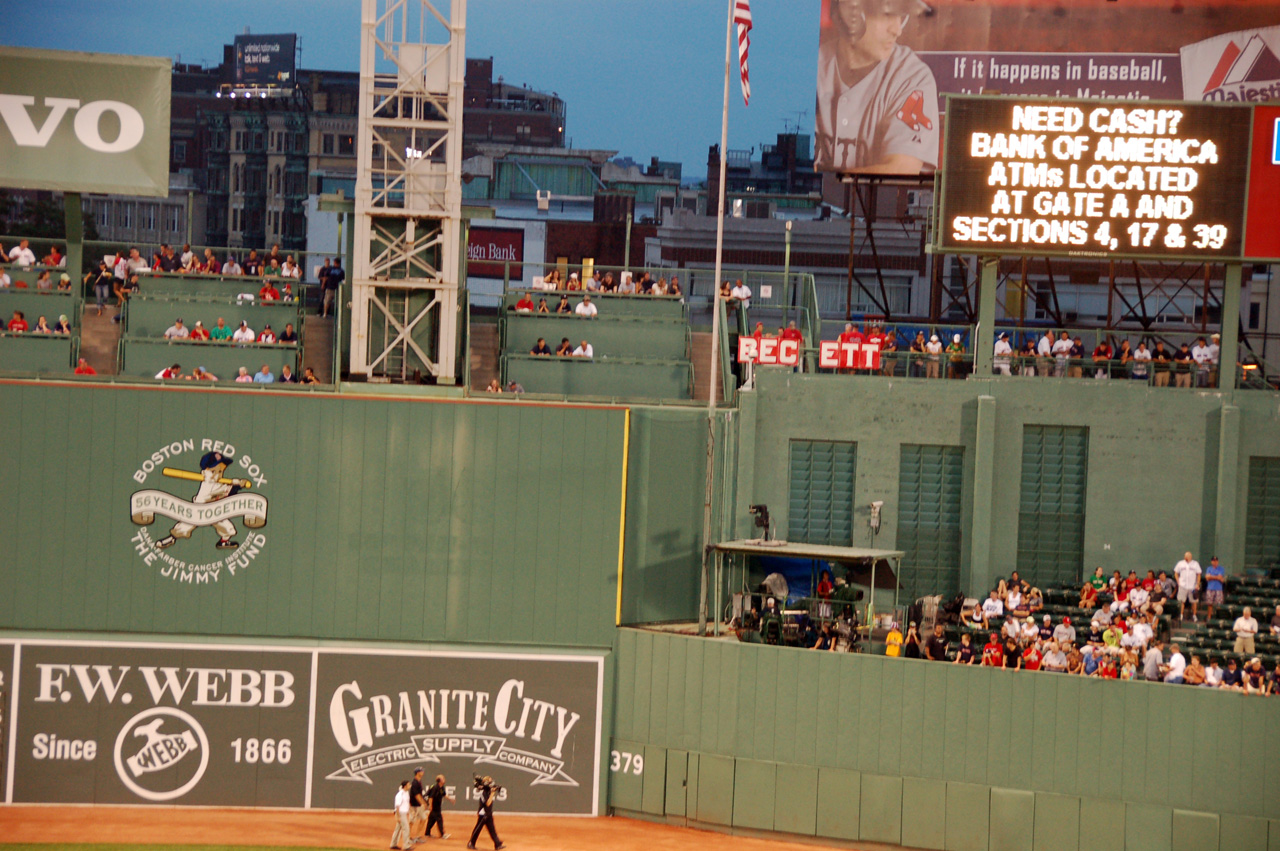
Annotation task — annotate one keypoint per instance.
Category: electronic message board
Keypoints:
(1094, 178)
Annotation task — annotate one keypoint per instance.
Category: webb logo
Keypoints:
(1249, 73)
(168, 754)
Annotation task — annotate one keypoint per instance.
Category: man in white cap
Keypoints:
(1003, 353)
(244, 334)
(955, 353)
(933, 363)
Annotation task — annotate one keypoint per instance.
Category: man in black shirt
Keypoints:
(487, 791)
(936, 647)
(288, 335)
(435, 794)
(540, 348)
(1182, 366)
(417, 806)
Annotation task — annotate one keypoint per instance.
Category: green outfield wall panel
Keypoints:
(1102, 824)
(968, 816)
(795, 803)
(839, 804)
(365, 518)
(924, 813)
(1057, 823)
(1195, 831)
(881, 809)
(677, 785)
(654, 789)
(1147, 827)
(1012, 819)
(754, 791)
(1242, 833)
(626, 786)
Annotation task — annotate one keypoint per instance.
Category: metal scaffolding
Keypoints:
(408, 205)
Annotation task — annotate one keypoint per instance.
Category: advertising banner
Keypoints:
(490, 249)
(265, 60)
(84, 122)
(1262, 237)
(885, 67)
(296, 727)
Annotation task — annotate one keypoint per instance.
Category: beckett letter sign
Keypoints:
(84, 122)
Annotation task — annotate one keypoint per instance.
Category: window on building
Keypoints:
(173, 219)
(930, 496)
(277, 182)
(1255, 315)
(820, 509)
(102, 212)
(346, 145)
(1055, 471)
(258, 141)
(326, 143)
(235, 218)
(179, 152)
(124, 215)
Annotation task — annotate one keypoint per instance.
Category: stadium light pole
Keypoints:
(715, 329)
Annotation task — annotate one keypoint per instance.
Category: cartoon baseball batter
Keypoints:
(213, 486)
(877, 101)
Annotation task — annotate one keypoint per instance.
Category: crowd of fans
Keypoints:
(625, 284)
(243, 376)
(18, 324)
(1067, 357)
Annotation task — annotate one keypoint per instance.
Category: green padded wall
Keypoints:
(669, 307)
(37, 303)
(145, 358)
(39, 353)
(620, 337)
(386, 518)
(148, 317)
(605, 378)
(204, 285)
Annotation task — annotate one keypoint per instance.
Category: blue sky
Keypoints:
(643, 77)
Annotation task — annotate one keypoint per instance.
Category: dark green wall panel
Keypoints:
(924, 822)
(881, 809)
(795, 807)
(1242, 833)
(715, 789)
(677, 791)
(968, 815)
(754, 793)
(1147, 827)
(1102, 824)
(839, 813)
(1012, 819)
(1195, 831)
(387, 518)
(626, 787)
(1057, 823)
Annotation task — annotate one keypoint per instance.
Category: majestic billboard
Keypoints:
(84, 122)
(265, 60)
(885, 66)
(280, 726)
(1094, 178)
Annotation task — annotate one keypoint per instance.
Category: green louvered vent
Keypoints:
(822, 476)
(1055, 467)
(930, 490)
(1262, 531)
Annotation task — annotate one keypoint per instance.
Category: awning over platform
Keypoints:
(788, 549)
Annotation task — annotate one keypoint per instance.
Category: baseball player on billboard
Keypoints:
(213, 486)
(877, 101)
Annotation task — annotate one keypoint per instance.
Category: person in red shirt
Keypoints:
(1031, 657)
(791, 332)
(18, 323)
(525, 304)
(993, 653)
(267, 335)
(269, 292)
(758, 333)
(850, 334)
(1149, 582)
(83, 368)
(199, 332)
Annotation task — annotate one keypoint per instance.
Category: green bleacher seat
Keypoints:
(44, 354)
(669, 307)
(35, 303)
(602, 377)
(151, 316)
(144, 357)
(611, 336)
(208, 285)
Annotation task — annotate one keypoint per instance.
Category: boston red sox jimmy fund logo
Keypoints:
(224, 487)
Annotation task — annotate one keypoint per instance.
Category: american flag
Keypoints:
(742, 17)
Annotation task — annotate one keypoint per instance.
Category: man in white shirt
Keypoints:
(22, 255)
(4, 279)
(1215, 351)
(177, 331)
(1143, 632)
(1044, 353)
(993, 606)
(290, 269)
(1064, 633)
(584, 350)
(1177, 665)
(1188, 573)
(585, 307)
(1003, 352)
(187, 257)
(1138, 599)
(243, 334)
(1011, 629)
(1200, 354)
(933, 365)
(1245, 628)
(1061, 354)
(400, 836)
(1213, 674)
(741, 292)
(231, 267)
(1141, 357)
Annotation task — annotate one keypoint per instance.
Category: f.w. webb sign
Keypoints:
(296, 727)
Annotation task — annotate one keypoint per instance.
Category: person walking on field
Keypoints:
(400, 836)
(434, 796)
(487, 791)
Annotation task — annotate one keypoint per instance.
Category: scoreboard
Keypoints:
(1108, 179)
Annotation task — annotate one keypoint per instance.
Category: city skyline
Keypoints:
(644, 79)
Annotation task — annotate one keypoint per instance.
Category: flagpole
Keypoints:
(714, 368)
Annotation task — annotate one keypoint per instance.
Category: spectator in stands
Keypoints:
(22, 255)
(83, 368)
(101, 280)
(933, 359)
(18, 323)
(627, 285)
(290, 269)
(1026, 358)
(1112, 635)
(1255, 677)
(188, 256)
(935, 649)
(993, 606)
(541, 348)
(493, 386)
(253, 263)
(565, 349)
(1161, 360)
(911, 644)
(1102, 355)
(1232, 677)
(158, 261)
(243, 334)
(267, 336)
(1012, 654)
(244, 377)
(268, 292)
(1046, 628)
(542, 306)
(594, 283)
(514, 386)
(888, 351)
(1061, 355)
(1194, 675)
(1125, 356)
(1245, 628)
(1182, 361)
(177, 331)
(288, 336)
(1153, 660)
(1188, 573)
(62, 326)
(1215, 577)
(1064, 633)
(915, 356)
(741, 293)
(525, 304)
(573, 285)
(309, 376)
(1200, 355)
(955, 357)
(965, 654)
(586, 308)
(331, 284)
(1012, 628)
(1213, 675)
(673, 288)
(976, 618)
(584, 350)
(563, 306)
(1141, 362)
(220, 333)
(608, 285)
(1003, 354)
(287, 376)
(659, 287)
(1075, 369)
(1177, 666)
(264, 376)
(64, 281)
(135, 265)
(202, 374)
(1014, 604)
(174, 371)
(1274, 681)
(42, 326)
(1275, 623)
(44, 281)
(825, 640)
(1054, 661)
(1088, 596)
(1075, 661)
(5, 280)
(1032, 656)
(210, 265)
(232, 267)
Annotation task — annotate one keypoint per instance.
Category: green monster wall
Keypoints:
(928, 755)
(386, 518)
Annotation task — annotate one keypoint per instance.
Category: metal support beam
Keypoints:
(984, 473)
(1229, 345)
(984, 337)
(73, 215)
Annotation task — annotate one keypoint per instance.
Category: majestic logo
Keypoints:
(87, 123)
(161, 754)
(1248, 73)
(220, 497)
(439, 723)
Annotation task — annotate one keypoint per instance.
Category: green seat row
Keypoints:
(669, 307)
(214, 285)
(145, 357)
(603, 377)
(611, 336)
(40, 353)
(150, 316)
(35, 303)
